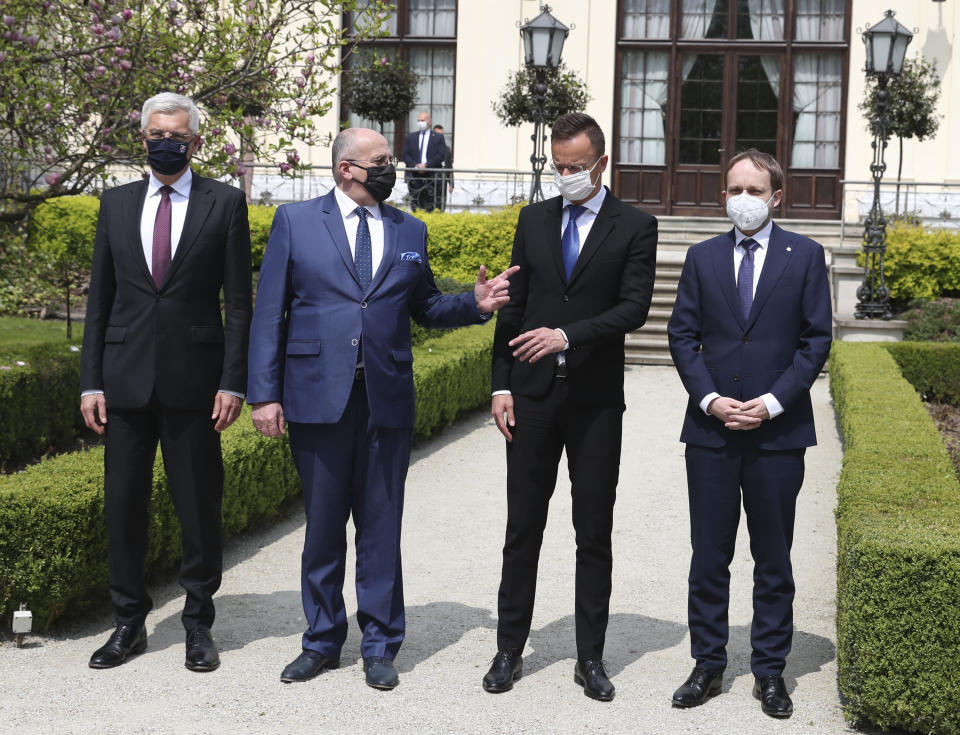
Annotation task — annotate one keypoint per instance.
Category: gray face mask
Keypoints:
(576, 187)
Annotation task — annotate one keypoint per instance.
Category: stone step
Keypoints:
(647, 358)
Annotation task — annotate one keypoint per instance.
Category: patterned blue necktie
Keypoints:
(571, 239)
(363, 255)
(745, 276)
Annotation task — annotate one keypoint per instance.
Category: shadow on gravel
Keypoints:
(810, 653)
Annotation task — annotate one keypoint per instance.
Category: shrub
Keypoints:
(921, 263)
(933, 369)
(898, 550)
(53, 549)
(39, 401)
(933, 321)
(261, 220)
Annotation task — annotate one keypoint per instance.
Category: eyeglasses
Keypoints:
(572, 168)
(161, 134)
(382, 161)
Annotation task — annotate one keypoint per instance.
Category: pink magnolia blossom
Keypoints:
(285, 168)
(31, 40)
(127, 14)
(9, 20)
(47, 107)
(126, 66)
(240, 171)
(229, 149)
(134, 114)
(52, 179)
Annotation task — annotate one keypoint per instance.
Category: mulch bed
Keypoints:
(947, 419)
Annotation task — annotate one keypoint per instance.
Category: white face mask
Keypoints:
(422, 124)
(576, 187)
(748, 212)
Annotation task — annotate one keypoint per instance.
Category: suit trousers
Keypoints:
(352, 467)
(768, 483)
(191, 458)
(591, 436)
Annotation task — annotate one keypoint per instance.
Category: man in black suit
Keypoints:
(423, 148)
(446, 179)
(160, 364)
(558, 383)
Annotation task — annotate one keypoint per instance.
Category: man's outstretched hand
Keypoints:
(493, 294)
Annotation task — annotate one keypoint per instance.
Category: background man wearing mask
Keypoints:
(330, 357)
(446, 182)
(749, 333)
(159, 365)
(423, 148)
(586, 276)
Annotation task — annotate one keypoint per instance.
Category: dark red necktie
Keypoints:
(161, 237)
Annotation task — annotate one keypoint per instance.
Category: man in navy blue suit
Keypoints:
(749, 334)
(423, 149)
(330, 357)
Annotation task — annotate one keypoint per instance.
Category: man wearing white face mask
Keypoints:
(749, 333)
(423, 149)
(586, 278)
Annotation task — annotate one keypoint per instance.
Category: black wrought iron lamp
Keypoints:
(886, 44)
(543, 39)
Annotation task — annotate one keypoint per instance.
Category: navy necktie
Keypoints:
(571, 239)
(363, 255)
(745, 276)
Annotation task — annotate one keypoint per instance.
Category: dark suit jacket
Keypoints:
(436, 150)
(138, 339)
(779, 349)
(311, 315)
(608, 295)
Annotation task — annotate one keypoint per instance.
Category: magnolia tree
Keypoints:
(73, 77)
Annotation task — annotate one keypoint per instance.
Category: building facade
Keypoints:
(680, 86)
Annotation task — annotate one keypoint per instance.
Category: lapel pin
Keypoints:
(789, 249)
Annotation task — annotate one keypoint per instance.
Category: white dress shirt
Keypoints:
(179, 199)
(351, 221)
(762, 238)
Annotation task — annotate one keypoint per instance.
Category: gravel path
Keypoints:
(453, 531)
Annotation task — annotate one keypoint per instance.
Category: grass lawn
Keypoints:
(20, 331)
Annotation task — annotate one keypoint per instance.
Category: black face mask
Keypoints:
(167, 156)
(380, 180)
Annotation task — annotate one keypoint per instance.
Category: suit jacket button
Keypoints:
(566, 298)
(736, 378)
(363, 304)
(745, 340)
(354, 342)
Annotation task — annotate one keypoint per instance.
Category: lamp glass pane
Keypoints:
(899, 52)
(881, 51)
(556, 47)
(541, 41)
(527, 47)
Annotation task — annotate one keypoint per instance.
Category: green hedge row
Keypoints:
(39, 404)
(898, 542)
(933, 368)
(459, 243)
(53, 549)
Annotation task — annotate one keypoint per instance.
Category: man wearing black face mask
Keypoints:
(161, 365)
(330, 357)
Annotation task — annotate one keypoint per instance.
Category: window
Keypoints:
(760, 19)
(643, 100)
(820, 20)
(422, 35)
(646, 19)
(817, 99)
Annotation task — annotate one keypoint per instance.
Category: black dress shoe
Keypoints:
(124, 642)
(201, 650)
(698, 688)
(306, 666)
(592, 676)
(506, 668)
(772, 693)
(380, 672)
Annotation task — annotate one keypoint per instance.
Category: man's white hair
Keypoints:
(169, 103)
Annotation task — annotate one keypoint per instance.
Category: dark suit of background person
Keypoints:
(350, 428)
(160, 355)
(776, 350)
(445, 184)
(424, 148)
(607, 295)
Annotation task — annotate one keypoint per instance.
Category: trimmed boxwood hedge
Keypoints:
(39, 405)
(898, 541)
(53, 549)
(933, 368)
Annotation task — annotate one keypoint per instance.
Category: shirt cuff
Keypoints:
(501, 393)
(91, 393)
(773, 405)
(705, 403)
(241, 396)
(566, 340)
